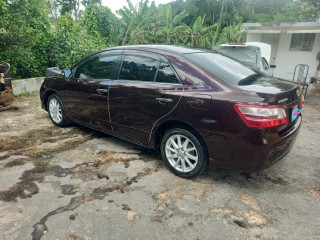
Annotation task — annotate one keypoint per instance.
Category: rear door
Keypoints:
(147, 90)
(87, 90)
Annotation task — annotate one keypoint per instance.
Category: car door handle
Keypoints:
(167, 100)
(101, 90)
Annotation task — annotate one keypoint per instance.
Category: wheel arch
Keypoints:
(46, 96)
(165, 126)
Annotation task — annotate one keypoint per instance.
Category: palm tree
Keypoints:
(170, 26)
(144, 25)
(127, 16)
(197, 31)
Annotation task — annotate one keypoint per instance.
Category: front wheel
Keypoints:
(56, 110)
(183, 153)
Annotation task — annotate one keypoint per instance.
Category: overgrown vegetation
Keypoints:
(37, 34)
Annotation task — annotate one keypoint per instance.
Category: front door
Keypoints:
(147, 90)
(87, 90)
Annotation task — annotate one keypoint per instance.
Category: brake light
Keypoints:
(256, 116)
(301, 104)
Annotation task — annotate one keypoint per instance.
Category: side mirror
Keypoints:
(265, 64)
(67, 72)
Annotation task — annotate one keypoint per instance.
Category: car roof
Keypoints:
(162, 49)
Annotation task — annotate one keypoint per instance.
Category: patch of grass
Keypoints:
(25, 94)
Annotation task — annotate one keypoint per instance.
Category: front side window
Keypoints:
(98, 67)
(302, 41)
(166, 75)
(138, 68)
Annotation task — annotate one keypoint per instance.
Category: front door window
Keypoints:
(98, 67)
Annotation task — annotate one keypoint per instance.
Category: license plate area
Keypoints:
(296, 111)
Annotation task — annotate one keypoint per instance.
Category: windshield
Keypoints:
(223, 67)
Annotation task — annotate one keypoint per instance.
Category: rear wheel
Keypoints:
(56, 110)
(183, 153)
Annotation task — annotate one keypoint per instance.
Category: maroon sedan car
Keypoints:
(199, 108)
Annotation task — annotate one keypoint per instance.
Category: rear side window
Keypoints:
(138, 68)
(166, 75)
(98, 67)
(226, 69)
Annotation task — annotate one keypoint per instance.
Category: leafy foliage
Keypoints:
(25, 26)
(37, 34)
(69, 43)
(102, 23)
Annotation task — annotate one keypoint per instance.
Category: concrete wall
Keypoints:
(26, 85)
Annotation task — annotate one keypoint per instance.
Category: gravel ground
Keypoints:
(75, 183)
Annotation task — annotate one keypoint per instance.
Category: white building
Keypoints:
(291, 44)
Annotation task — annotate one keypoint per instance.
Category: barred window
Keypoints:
(302, 41)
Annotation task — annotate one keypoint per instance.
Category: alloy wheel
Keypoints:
(55, 110)
(181, 153)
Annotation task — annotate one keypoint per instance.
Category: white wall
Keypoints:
(256, 37)
(287, 60)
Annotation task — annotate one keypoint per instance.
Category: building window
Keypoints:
(302, 41)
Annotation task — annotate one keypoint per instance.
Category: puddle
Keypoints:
(273, 179)
(21, 190)
(16, 162)
(251, 177)
(68, 189)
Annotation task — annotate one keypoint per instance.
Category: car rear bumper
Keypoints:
(255, 152)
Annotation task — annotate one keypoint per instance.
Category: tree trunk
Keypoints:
(127, 32)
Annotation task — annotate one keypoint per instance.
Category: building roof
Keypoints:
(284, 27)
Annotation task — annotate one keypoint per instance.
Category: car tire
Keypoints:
(184, 153)
(57, 111)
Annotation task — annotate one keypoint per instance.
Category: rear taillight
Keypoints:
(256, 116)
(301, 104)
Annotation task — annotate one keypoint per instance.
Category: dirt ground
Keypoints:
(75, 183)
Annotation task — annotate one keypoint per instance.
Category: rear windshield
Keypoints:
(225, 68)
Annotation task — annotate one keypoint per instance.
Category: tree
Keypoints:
(25, 27)
(53, 6)
(127, 16)
(144, 25)
(312, 8)
(70, 42)
(69, 7)
(197, 31)
(88, 2)
(170, 26)
(101, 22)
(3, 5)
(36, 34)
